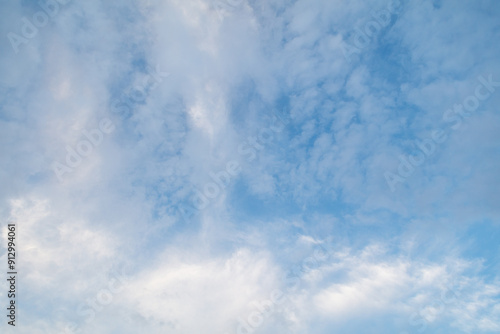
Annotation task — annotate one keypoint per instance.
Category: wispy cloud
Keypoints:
(206, 148)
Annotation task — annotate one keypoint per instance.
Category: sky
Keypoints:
(251, 166)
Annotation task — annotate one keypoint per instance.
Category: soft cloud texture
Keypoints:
(190, 86)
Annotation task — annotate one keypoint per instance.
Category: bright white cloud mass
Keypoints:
(251, 166)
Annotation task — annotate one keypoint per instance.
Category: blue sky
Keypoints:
(251, 166)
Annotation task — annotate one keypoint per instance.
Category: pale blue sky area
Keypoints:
(252, 166)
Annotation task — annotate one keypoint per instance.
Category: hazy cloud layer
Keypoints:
(235, 166)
